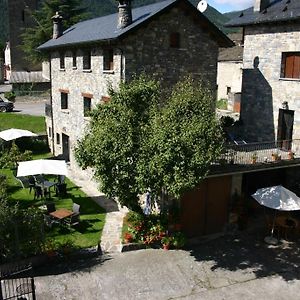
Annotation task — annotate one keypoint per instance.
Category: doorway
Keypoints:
(285, 128)
(66, 147)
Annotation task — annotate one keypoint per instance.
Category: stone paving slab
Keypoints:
(226, 268)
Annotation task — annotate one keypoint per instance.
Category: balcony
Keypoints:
(258, 156)
(48, 110)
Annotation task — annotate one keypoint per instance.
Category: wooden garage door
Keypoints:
(205, 209)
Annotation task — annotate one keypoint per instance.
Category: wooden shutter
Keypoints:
(289, 66)
(296, 71)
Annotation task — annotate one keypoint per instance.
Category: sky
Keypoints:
(230, 5)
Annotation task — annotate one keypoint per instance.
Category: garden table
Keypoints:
(61, 213)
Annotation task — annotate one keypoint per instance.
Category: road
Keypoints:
(36, 108)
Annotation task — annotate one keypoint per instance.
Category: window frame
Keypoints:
(86, 112)
(57, 138)
(62, 63)
(174, 40)
(64, 100)
(87, 60)
(108, 59)
(290, 65)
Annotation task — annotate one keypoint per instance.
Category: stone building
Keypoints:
(166, 40)
(18, 69)
(271, 70)
(230, 66)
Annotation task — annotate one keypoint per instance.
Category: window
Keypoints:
(64, 100)
(175, 40)
(57, 138)
(86, 60)
(49, 132)
(74, 59)
(62, 60)
(228, 90)
(108, 60)
(290, 65)
(87, 106)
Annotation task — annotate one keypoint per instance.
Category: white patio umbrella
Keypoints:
(14, 133)
(42, 166)
(278, 198)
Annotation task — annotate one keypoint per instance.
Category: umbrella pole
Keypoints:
(273, 223)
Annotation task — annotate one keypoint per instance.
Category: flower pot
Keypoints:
(290, 155)
(253, 161)
(166, 247)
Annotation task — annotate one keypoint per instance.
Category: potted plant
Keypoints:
(166, 242)
(128, 237)
(275, 156)
(254, 158)
(291, 154)
(179, 240)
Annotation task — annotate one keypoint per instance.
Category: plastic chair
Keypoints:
(75, 209)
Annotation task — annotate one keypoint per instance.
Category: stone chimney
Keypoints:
(57, 26)
(260, 5)
(124, 13)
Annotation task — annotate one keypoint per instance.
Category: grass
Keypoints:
(92, 216)
(35, 124)
(222, 104)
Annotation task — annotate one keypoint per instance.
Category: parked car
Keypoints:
(6, 105)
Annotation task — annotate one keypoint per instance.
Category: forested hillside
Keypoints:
(3, 23)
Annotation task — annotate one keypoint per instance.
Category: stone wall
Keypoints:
(263, 91)
(229, 75)
(148, 50)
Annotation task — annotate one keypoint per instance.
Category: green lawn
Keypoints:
(92, 217)
(33, 123)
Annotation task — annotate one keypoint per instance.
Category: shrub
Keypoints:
(11, 96)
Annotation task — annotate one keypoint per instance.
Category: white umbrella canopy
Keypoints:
(42, 166)
(277, 197)
(14, 133)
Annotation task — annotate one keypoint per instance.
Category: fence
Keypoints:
(17, 283)
(265, 152)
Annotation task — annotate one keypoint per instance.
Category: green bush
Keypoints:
(9, 158)
(11, 96)
(222, 104)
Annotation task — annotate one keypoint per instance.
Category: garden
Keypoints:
(23, 231)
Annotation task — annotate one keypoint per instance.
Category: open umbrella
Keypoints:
(13, 133)
(278, 198)
(42, 166)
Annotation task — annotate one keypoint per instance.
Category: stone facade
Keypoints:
(144, 51)
(229, 77)
(263, 89)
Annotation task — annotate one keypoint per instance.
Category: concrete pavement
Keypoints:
(231, 267)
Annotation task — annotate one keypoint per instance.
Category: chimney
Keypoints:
(124, 13)
(57, 26)
(260, 5)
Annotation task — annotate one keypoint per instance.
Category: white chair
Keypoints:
(75, 209)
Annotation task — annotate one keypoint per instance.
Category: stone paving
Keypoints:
(111, 234)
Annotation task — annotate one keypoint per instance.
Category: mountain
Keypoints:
(3, 23)
(232, 14)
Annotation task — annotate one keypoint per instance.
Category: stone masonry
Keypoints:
(263, 90)
(145, 51)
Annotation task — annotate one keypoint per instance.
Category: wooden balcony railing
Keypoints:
(256, 153)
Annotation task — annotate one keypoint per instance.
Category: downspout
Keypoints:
(51, 104)
(122, 75)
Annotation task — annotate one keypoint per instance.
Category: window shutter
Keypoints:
(296, 73)
(289, 65)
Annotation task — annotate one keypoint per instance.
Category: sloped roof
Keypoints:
(277, 11)
(105, 28)
(27, 77)
(234, 53)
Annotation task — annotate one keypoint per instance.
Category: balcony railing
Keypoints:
(258, 153)
(48, 110)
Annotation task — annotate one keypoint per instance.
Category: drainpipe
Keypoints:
(51, 103)
(122, 76)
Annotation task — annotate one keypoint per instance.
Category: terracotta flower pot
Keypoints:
(166, 247)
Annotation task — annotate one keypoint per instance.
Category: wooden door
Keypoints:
(66, 147)
(285, 128)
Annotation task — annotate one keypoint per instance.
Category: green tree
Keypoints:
(182, 140)
(134, 144)
(71, 11)
(112, 147)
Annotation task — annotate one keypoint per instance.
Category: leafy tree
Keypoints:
(112, 147)
(182, 141)
(71, 11)
(134, 145)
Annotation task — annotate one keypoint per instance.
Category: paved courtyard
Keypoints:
(231, 267)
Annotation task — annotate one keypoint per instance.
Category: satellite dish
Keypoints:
(202, 6)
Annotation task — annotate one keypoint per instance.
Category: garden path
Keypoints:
(112, 231)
